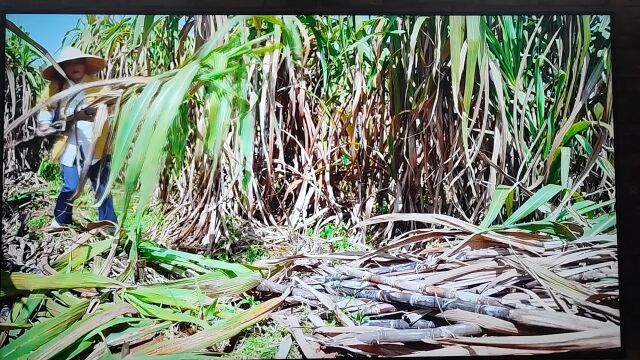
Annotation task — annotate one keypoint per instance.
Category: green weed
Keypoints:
(233, 227)
(249, 300)
(264, 343)
(37, 223)
(255, 252)
(359, 317)
(221, 255)
(339, 234)
(341, 244)
(50, 171)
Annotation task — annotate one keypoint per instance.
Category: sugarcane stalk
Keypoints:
(395, 268)
(426, 301)
(407, 335)
(270, 286)
(417, 287)
(400, 324)
(369, 309)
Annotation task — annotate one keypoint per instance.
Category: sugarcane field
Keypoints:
(307, 186)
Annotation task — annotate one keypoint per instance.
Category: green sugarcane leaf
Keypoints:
(174, 297)
(598, 111)
(42, 332)
(497, 202)
(219, 120)
(475, 44)
(220, 331)
(128, 120)
(575, 129)
(155, 153)
(79, 329)
(159, 253)
(144, 328)
(602, 224)
(565, 163)
(246, 133)
(538, 199)
(81, 254)
(548, 227)
(176, 356)
(456, 31)
(23, 309)
(602, 163)
(158, 312)
(13, 283)
(4, 326)
(540, 98)
(86, 341)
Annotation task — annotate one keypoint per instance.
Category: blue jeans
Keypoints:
(99, 177)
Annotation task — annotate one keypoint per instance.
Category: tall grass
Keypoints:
(23, 150)
(351, 116)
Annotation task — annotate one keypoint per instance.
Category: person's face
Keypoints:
(74, 69)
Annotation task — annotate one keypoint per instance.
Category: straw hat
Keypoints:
(93, 64)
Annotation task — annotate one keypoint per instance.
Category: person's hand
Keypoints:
(43, 129)
(86, 114)
(43, 126)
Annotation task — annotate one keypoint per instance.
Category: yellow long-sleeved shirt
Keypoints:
(62, 146)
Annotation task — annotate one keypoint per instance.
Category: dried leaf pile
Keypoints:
(507, 293)
(428, 292)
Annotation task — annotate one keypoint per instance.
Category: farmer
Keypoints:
(72, 149)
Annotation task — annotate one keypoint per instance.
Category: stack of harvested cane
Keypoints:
(483, 298)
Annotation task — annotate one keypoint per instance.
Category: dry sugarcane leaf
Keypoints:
(326, 301)
(615, 313)
(102, 224)
(608, 240)
(328, 330)
(589, 255)
(554, 319)
(471, 282)
(354, 350)
(316, 320)
(453, 223)
(70, 92)
(482, 253)
(412, 335)
(284, 347)
(464, 350)
(607, 337)
(388, 350)
(528, 295)
(440, 277)
(484, 321)
(569, 288)
(308, 350)
(415, 315)
(583, 269)
(422, 236)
